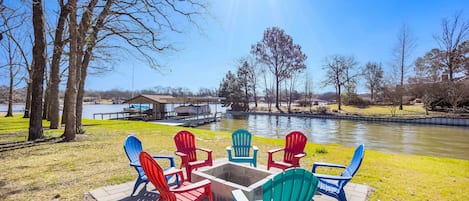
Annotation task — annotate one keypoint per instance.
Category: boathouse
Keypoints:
(158, 103)
(158, 109)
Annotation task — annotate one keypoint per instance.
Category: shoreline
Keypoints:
(432, 120)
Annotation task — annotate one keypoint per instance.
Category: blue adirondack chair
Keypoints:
(334, 185)
(291, 184)
(242, 147)
(133, 147)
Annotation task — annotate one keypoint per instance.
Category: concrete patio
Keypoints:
(121, 192)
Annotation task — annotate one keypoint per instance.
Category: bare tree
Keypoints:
(269, 87)
(454, 32)
(338, 68)
(141, 26)
(402, 53)
(290, 85)
(54, 110)
(277, 51)
(456, 92)
(71, 91)
(308, 84)
(13, 51)
(84, 58)
(373, 74)
(39, 63)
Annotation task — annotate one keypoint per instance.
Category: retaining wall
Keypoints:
(422, 120)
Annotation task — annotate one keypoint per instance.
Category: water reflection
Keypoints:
(430, 140)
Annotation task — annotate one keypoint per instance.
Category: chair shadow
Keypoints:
(143, 195)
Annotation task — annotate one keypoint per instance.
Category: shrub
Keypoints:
(354, 99)
(321, 150)
(322, 109)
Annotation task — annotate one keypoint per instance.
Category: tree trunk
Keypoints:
(65, 109)
(45, 113)
(27, 106)
(55, 69)
(71, 92)
(255, 96)
(401, 92)
(79, 81)
(35, 122)
(339, 101)
(10, 93)
(276, 93)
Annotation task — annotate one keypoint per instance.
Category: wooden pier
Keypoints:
(120, 116)
(191, 121)
(187, 121)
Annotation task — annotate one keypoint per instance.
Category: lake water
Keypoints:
(432, 140)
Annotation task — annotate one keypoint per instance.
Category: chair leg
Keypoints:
(342, 196)
(188, 173)
(137, 183)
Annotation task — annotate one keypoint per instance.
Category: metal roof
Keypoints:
(152, 99)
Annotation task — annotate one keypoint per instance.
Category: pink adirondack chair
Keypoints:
(184, 192)
(293, 151)
(185, 144)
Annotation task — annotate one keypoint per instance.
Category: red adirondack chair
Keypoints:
(293, 151)
(185, 144)
(184, 192)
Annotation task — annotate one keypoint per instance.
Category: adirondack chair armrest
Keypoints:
(228, 148)
(200, 184)
(275, 150)
(316, 165)
(298, 156)
(180, 154)
(170, 158)
(174, 172)
(204, 150)
(238, 195)
(255, 148)
(135, 164)
(337, 178)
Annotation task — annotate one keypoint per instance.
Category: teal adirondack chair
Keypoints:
(242, 147)
(291, 184)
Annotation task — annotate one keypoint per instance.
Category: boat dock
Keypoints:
(120, 116)
(192, 121)
(187, 121)
(169, 110)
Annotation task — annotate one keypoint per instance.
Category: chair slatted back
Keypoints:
(354, 164)
(154, 173)
(133, 147)
(295, 144)
(292, 184)
(185, 143)
(241, 142)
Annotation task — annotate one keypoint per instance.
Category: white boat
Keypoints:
(187, 110)
(136, 108)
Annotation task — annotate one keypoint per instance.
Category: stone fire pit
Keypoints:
(228, 176)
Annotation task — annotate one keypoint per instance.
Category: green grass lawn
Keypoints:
(97, 158)
(381, 110)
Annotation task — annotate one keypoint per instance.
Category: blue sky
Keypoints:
(365, 29)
